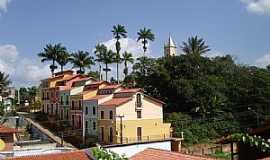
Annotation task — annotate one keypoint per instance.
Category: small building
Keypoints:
(90, 108)
(132, 116)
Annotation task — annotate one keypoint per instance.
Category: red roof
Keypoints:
(112, 86)
(72, 155)
(116, 101)
(4, 130)
(97, 97)
(130, 90)
(158, 154)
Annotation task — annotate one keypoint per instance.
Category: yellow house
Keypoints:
(48, 89)
(89, 90)
(131, 116)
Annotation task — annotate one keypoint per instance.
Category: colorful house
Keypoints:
(131, 116)
(84, 90)
(90, 108)
(49, 92)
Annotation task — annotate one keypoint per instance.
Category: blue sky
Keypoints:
(236, 27)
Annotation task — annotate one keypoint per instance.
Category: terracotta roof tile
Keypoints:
(112, 86)
(158, 154)
(72, 155)
(97, 97)
(116, 101)
(130, 90)
(4, 129)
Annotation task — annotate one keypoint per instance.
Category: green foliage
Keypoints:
(81, 60)
(103, 154)
(4, 81)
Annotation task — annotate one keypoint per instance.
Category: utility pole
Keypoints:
(121, 127)
(257, 115)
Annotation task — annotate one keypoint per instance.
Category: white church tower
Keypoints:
(169, 48)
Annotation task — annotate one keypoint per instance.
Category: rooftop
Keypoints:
(158, 154)
(116, 101)
(4, 130)
(73, 155)
(130, 90)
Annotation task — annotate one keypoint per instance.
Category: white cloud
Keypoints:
(258, 6)
(23, 71)
(3, 5)
(127, 44)
(263, 61)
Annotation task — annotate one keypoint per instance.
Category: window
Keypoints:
(86, 126)
(86, 110)
(61, 100)
(101, 114)
(111, 134)
(67, 100)
(139, 114)
(47, 97)
(67, 116)
(80, 104)
(72, 105)
(94, 110)
(73, 120)
(139, 100)
(111, 114)
(94, 126)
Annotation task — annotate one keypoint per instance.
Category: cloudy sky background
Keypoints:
(236, 27)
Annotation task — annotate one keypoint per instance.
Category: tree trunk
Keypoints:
(52, 69)
(126, 69)
(117, 65)
(106, 71)
(62, 68)
(99, 72)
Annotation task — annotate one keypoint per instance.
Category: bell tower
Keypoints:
(169, 48)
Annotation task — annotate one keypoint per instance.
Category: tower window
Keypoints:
(139, 114)
(94, 110)
(139, 100)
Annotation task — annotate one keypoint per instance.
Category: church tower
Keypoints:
(169, 48)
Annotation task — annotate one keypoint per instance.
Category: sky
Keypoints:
(236, 27)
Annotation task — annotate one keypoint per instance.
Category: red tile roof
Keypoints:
(97, 97)
(116, 101)
(4, 130)
(130, 90)
(158, 154)
(72, 155)
(112, 86)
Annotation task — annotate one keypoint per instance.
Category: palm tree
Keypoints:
(119, 32)
(195, 46)
(81, 60)
(4, 81)
(145, 35)
(50, 53)
(107, 58)
(62, 59)
(99, 50)
(127, 58)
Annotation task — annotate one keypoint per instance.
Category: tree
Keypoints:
(4, 81)
(62, 59)
(195, 46)
(127, 58)
(81, 60)
(100, 49)
(107, 58)
(101, 153)
(119, 32)
(145, 35)
(50, 53)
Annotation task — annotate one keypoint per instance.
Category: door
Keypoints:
(111, 135)
(139, 133)
(102, 133)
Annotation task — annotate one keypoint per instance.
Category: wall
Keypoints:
(130, 150)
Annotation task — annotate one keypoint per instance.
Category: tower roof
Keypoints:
(170, 42)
